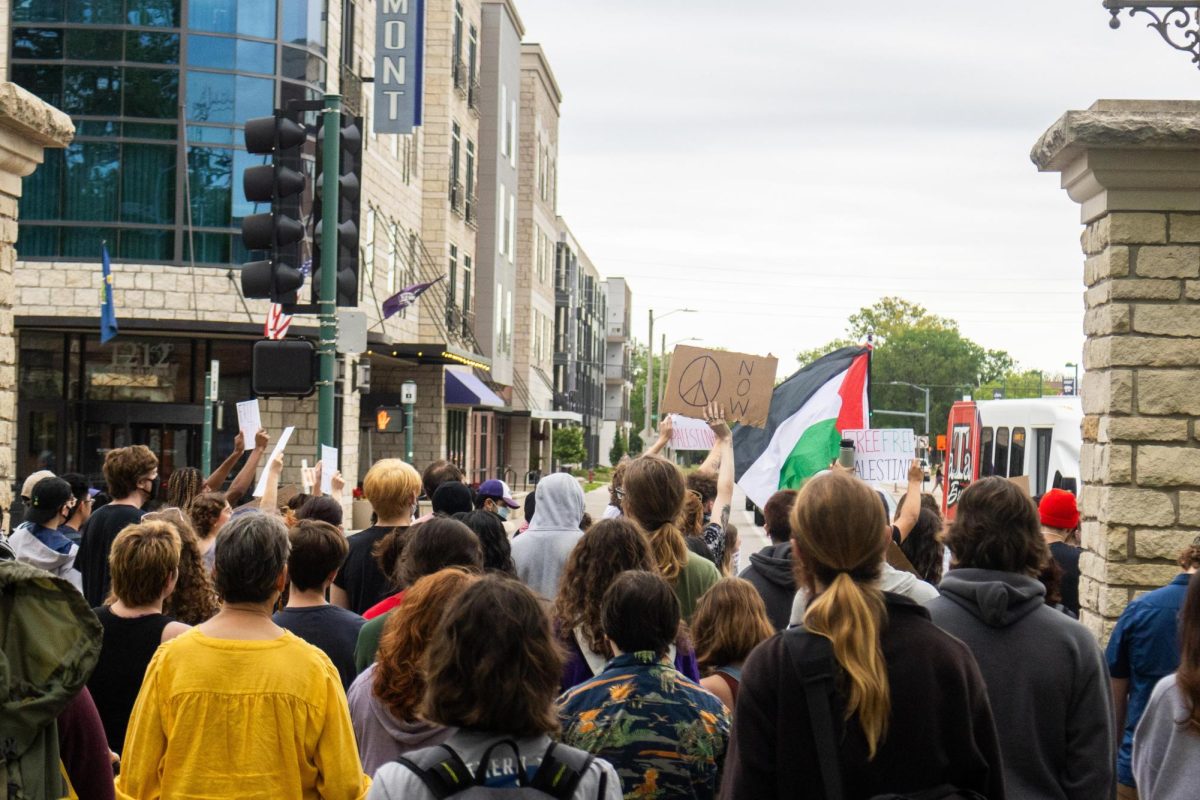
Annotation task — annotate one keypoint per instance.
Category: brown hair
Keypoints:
(388, 550)
(184, 484)
(691, 518)
(641, 613)
(143, 559)
(1188, 676)
(611, 547)
(322, 508)
(436, 544)
(996, 526)
(704, 483)
(777, 515)
(124, 467)
(493, 664)
(730, 621)
(194, 599)
(318, 549)
(392, 487)
(204, 510)
(437, 473)
(399, 681)
(1190, 556)
(840, 541)
(654, 491)
(616, 484)
(726, 567)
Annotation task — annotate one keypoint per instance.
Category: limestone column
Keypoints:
(1134, 169)
(27, 127)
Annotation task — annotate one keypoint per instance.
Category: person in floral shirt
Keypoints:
(664, 734)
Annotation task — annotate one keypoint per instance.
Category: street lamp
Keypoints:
(1075, 385)
(910, 413)
(648, 394)
(1177, 21)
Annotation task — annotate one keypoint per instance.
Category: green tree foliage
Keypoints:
(914, 346)
(568, 445)
(619, 447)
(637, 396)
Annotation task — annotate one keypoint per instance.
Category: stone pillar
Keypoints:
(1134, 168)
(27, 127)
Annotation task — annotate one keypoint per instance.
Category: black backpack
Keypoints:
(814, 663)
(445, 774)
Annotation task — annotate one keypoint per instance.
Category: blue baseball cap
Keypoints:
(497, 490)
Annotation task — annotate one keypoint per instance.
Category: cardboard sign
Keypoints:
(882, 455)
(691, 434)
(740, 382)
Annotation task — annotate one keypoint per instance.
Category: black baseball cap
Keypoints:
(48, 496)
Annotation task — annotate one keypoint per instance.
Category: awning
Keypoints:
(464, 389)
(558, 416)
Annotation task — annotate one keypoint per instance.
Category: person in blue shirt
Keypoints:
(1143, 650)
(37, 541)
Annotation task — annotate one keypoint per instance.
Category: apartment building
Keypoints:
(580, 326)
(618, 374)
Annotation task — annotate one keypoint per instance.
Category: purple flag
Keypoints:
(406, 297)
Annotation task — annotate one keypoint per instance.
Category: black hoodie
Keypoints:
(1046, 679)
(770, 571)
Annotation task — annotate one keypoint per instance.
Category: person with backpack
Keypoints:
(868, 697)
(664, 734)
(492, 672)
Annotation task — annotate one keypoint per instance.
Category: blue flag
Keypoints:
(108, 312)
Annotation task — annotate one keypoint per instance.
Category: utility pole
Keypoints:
(647, 431)
(327, 350)
(662, 370)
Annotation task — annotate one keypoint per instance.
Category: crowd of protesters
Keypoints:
(224, 645)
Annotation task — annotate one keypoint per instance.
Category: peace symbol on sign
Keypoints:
(700, 382)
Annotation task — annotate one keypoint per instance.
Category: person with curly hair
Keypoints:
(497, 550)
(385, 698)
(731, 620)
(195, 598)
(131, 475)
(208, 512)
(611, 547)
(184, 483)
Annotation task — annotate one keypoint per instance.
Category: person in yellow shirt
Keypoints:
(238, 707)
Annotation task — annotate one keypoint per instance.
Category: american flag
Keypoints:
(277, 323)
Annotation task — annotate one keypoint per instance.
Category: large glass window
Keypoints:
(152, 93)
(247, 17)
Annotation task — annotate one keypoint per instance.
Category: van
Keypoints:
(1038, 438)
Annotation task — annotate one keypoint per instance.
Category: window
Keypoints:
(452, 286)
(406, 277)
(472, 52)
(511, 132)
(455, 146)
(1016, 458)
(470, 181)
(458, 37)
(1043, 437)
(497, 322)
(503, 120)
(1000, 461)
(508, 328)
(368, 251)
(539, 254)
(985, 452)
(511, 231)
(391, 262)
(501, 208)
(468, 284)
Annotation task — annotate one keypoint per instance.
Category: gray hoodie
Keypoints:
(541, 552)
(28, 549)
(1046, 680)
(381, 737)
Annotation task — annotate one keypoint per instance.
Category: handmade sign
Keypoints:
(740, 382)
(249, 422)
(691, 434)
(882, 455)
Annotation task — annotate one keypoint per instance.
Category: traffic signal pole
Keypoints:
(327, 350)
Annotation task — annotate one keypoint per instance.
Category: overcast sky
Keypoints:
(777, 165)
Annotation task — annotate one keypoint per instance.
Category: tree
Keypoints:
(637, 396)
(619, 448)
(568, 445)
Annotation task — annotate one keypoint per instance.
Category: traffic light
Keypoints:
(349, 183)
(278, 231)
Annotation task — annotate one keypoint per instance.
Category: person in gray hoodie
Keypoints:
(1045, 674)
(770, 569)
(541, 552)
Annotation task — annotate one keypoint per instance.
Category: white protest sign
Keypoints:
(691, 434)
(882, 455)
(329, 465)
(283, 440)
(249, 422)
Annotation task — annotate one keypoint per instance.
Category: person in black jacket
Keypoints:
(908, 708)
(770, 569)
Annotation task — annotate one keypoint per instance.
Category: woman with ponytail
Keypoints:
(884, 660)
(654, 495)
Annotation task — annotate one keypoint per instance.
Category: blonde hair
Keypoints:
(839, 533)
(143, 559)
(654, 491)
(392, 487)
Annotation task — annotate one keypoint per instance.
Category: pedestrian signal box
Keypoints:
(389, 419)
(284, 368)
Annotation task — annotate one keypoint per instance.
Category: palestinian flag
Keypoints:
(803, 433)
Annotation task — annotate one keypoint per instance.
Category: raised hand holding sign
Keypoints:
(739, 382)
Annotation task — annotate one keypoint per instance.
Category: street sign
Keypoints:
(408, 392)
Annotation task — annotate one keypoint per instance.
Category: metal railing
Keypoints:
(461, 79)
(473, 93)
(352, 91)
(457, 197)
(472, 211)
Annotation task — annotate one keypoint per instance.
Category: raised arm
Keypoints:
(245, 477)
(217, 479)
(270, 497)
(912, 500)
(664, 437)
(714, 531)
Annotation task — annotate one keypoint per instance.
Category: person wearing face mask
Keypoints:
(496, 497)
(132, 477)
(38, 542)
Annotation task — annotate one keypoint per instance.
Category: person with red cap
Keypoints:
(1060, 526)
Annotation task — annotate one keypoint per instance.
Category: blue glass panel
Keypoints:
(93, 44)
(210, 134)
(45, 81)
(92, 90)
(241, 206)
(37, 10)
(211, 176)
(302, 23)
(97, 12)
(210, 51)
(255, 57)
(152, 48)
(218, 16)
(148, 130)
(148, 183)
(86, 242)
(152, 93)
(158, 13)
(256, 18)
(209, 97)
(44, 44)
(96, 127)
(42, 191)
(255, 98)
(37, 240)
(90, 190)
(211, 248)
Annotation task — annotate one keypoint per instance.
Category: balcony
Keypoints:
(472, 211)
(473, 97)
(617, 373)
(457, 197)
(352, 91)
(616, 333)
(461, 79)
